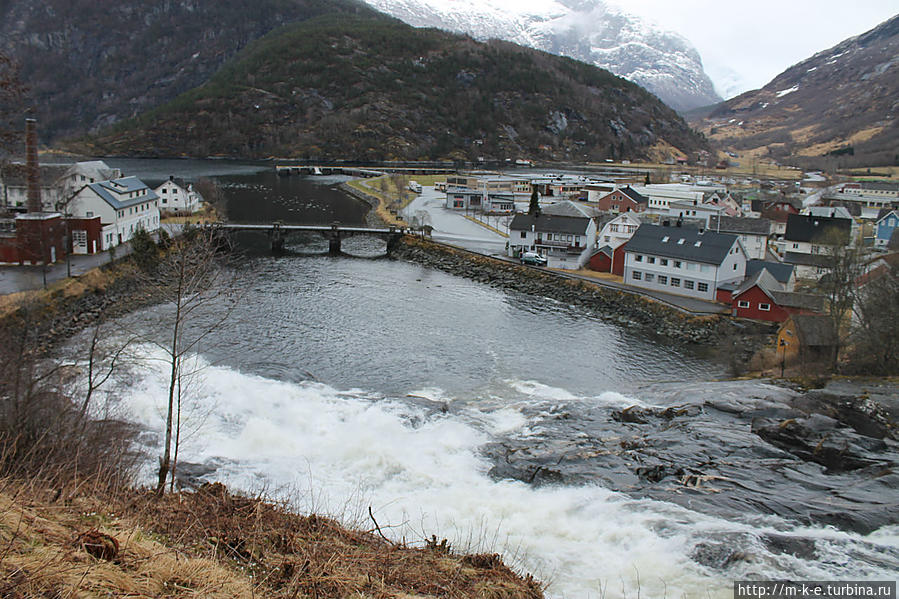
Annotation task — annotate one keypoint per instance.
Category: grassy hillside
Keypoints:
(373, 88)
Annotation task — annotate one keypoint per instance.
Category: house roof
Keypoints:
(817, 229)
(792, 299)
(814, 330)
(550, 223)
(15, 174)
(569, 208)
(835, 211)
(885, 212)
(879, 186)
(798, 259)
(634, 194)
(762, 279)
(682, 242)
(109, 191)
(779, 270)
(740, 225)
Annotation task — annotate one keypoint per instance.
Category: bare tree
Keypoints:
(213, 195)
(875, 331)
(192, 278)
(844, 266)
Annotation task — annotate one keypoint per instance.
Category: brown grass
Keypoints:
(215, 544)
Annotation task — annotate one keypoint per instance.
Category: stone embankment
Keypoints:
(625, 309)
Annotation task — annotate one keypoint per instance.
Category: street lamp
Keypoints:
(783, 356)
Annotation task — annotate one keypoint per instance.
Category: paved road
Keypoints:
(451, 226)
(26, 278)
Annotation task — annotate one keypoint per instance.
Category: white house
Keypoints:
(565, 241)
(178, 198)
(59, 183)
(807, 241)
(123, 205)
(684, 260)
(694, 211)
(618, 230)
(753, 233)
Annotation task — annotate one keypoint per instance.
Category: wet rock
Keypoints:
(800, 547)
(717, 555)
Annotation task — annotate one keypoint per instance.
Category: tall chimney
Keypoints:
(32, 169)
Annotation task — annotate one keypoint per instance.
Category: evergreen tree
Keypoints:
(534, 207)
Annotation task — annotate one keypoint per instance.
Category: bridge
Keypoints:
(334, 233)
(287, 167)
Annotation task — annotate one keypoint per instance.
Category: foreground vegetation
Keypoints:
(72, 523)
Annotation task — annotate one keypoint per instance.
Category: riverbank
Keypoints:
(658, 320)
(211, 543)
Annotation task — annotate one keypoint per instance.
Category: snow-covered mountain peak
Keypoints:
(593, 31)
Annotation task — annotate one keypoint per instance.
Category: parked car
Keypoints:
(533, 258)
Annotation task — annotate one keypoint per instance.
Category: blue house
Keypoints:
(886, 224)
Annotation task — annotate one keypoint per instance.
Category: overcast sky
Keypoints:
(758, 39)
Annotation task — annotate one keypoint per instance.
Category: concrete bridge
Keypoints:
(334, 233)
(286, 167)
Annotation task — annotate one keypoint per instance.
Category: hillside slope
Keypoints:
(89, 64)
(373, 88)
(840, 102)
(592, 31)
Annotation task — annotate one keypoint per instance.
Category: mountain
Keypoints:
(90, 64)
(589, 30)
(841, 102)
(373, 88)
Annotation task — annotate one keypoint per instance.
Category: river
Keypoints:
(499, 421)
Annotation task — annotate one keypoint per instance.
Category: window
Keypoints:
(649, 277)
(665, 239)
(702, 287)
(742, 304)
(765, 307)
(651, 259)
(677, 264)
(735, 267)
(663, 280)
(663, 261)
(680, 241)
(688, 284)
(523, 234)
(88, 214)
(675, 282)
(795, 246)
(639, 258)
(636, 275)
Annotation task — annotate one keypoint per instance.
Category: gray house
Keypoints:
(684, 260)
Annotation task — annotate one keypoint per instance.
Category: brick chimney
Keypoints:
(32, 168)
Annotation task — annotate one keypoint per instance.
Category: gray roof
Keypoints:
(817, 229)
(739, 225)
(682, 242)
(550, 223)
(765, 281)
(800, 259)
(791, 299)
(880, 186)
(15, 174)
(108, 191)
(569, 208)
(781, 271)
(885, 212)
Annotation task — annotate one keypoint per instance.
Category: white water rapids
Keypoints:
(337, 452)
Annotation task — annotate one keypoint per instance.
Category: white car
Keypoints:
(533, 258)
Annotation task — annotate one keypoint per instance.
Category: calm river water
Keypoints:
(492, 419)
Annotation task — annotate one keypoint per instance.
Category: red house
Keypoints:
(605, 259)
(762, 297)
(623, 199)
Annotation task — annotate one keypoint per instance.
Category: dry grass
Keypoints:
(214, 544)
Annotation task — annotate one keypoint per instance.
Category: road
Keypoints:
(452, 227)
(26, 278)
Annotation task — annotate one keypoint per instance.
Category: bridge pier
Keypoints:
(277, 239)
(334, 245)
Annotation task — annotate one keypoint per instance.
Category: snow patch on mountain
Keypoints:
(592, 31)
